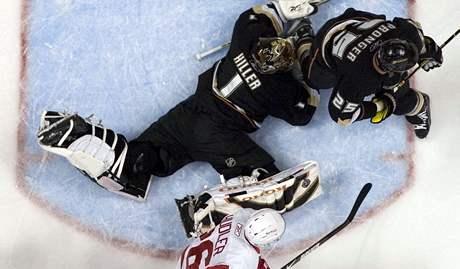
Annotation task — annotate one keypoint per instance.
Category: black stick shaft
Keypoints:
(359, 200)
(420, 66)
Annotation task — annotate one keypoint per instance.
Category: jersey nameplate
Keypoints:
(223, 230)
(344, 40)
(247, 72)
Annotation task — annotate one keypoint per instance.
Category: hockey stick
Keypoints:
(420, 65)
(359, 200)
(200, 56)
(204, 54)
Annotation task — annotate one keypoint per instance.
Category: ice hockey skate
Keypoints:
(98, 152)
(283, 192)
(422, 120)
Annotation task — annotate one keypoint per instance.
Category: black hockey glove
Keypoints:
(432, 57)
(386, 104)
(302, 35)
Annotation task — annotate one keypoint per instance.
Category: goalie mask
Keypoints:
(272, 55)
(264, 227)
(396, 55)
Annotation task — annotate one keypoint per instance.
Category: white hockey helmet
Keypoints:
(264, 227)
(294, 9)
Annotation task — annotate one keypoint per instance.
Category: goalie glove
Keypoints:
(431, 56)
(294, 9)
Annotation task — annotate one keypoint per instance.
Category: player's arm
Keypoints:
(269, 13)
(410, 30)
(352, 13)
(299, 103)
(430, 52)
(272, 20)
(249, 27)
(284, 15)
(346, 109)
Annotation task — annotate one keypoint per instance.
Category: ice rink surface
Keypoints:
(78, 54)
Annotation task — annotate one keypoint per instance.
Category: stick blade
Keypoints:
(359, 200)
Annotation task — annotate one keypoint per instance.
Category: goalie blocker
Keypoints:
(283, 192)
(98, 152)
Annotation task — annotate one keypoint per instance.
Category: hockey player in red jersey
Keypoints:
(360, 54)
(236, 242)
(253, 81)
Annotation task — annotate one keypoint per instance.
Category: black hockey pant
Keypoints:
(189, 133)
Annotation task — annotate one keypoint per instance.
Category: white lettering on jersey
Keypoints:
(356, 50)
(239, 59)
(369, 39)
(223, 230)
(344, 106)
(338, 101)
(351, 56)
(343, 41)
(224, 246)
(246, 71)
(350, 107)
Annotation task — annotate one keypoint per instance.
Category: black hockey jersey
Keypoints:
(347, 45)
(239, 88)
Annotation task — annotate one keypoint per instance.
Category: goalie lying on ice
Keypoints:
(232, 99)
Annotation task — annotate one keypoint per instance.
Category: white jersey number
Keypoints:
(341, 104)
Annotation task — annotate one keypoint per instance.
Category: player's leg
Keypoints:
(316, 72)
(167, 136)
(252, 177)
(230, 151)
(420, 115)
(415, 105)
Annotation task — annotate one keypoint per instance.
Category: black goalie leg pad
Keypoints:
(187, 208)
(54, 129)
